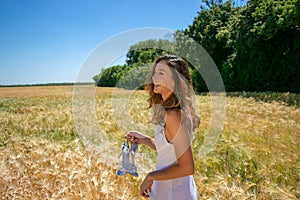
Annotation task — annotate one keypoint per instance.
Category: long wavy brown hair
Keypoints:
(182, 96)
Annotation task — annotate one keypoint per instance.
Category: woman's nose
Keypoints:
(154, 77)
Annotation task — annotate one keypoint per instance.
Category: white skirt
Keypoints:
(183, 188)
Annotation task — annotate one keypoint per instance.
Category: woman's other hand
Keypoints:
(145, 188)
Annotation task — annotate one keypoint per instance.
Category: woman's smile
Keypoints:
(156, 86)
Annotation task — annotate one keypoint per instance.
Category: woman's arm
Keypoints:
(177, 133)
(139, 138)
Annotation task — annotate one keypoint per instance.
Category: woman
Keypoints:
(170, 91)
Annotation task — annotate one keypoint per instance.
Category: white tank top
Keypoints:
(183, 188)
(165, 151)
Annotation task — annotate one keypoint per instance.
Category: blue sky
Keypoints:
(47, 41)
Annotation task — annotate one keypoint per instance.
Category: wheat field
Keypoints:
(42, 155)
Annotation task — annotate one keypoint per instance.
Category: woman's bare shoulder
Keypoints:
(173, 115)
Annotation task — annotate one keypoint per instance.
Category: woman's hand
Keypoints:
(136, 137)
(145, 188)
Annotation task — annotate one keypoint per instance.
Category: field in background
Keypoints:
(42, 156)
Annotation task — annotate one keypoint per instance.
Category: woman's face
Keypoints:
(163, 80)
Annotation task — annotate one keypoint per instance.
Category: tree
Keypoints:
(210, 29)
(133, 74)
(146, 51)
(255, 47)
(110, 76)
(266, 39)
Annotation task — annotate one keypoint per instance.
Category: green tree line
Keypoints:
(256, 46)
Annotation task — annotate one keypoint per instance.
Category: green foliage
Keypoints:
(266, 41)
(210, 30)
(255, 47)
(135, 78)
(146, 51)
(110, 76)
(133, 74)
